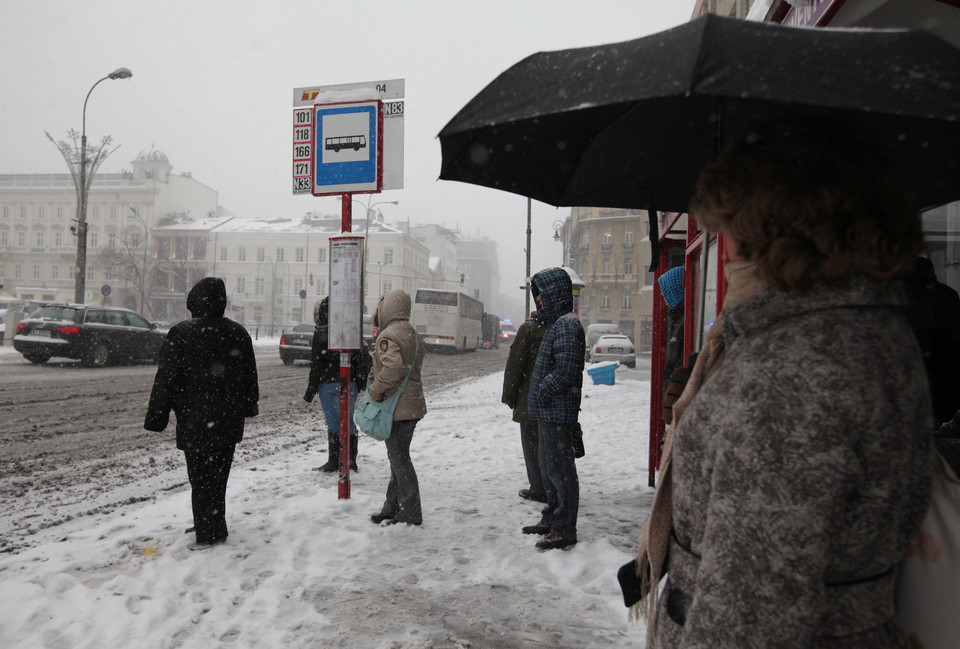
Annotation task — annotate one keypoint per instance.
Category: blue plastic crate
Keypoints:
(604, 374)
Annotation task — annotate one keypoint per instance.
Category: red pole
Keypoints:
(343, 484)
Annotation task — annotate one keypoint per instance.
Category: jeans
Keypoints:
(530, 443)
(559, 470)
(330, 403)
(403, 490)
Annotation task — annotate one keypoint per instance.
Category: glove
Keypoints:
(308, 395)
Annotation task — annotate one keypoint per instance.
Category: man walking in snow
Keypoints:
(554, 402)
(207, 375)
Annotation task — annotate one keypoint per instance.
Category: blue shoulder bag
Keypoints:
(375, 418)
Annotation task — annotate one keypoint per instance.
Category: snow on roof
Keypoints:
(433, 263)
(313, 223)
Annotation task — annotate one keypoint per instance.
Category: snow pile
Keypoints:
(303, 569)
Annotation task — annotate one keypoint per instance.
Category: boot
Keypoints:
(333, 454)
(353, 452)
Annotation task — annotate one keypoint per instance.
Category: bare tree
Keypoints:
(70, 150)
(131, 262)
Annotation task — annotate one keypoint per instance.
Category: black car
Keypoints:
(95, 335)
(297, 344)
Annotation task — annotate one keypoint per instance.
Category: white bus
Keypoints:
(447, 319)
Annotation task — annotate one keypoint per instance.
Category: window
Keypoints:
(297, 286)
(279, 255)
(1, 271)
(605, 300)
(134, 238)
(23, 213)
(278, 286)
(6, 213)
(40, 239)
(113, 213)
(22, 239)
(605, 267)
(94, 240)
(241, 285)
(322, 255)
(58, 239)
(36, 271)
(40, 213)
(18, 271)
(628, 268)
(320, 289)
(261, 254)
(54, 272)
(112, 241)
(628, 234)
(91, 275)
(298, 254)
(3, 238)
(606, 239)
(627, 300)
(387, 287)
(388, 257)
(59, 213)
(108, 273)
(223, 253)
(258, 286)
(241, 254)
(96, 214)
(585, 238)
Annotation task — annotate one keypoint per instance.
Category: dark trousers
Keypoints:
(208, 472)
(530, 442)
(559, 469)
(403, 490)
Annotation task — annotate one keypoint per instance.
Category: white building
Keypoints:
(266, 264)
(38, 247)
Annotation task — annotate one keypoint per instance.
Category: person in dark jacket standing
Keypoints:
(207, 375)
(325, 381)
(516, 388)
(554, 402)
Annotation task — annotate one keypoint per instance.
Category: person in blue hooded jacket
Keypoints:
(207, 375)
(554, 402)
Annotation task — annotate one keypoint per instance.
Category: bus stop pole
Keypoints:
(343, 484)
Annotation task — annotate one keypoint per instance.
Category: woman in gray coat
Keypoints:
(801, 467)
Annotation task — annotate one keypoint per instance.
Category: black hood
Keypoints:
(320, 312)
(208, 298)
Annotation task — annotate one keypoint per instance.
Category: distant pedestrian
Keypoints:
(396, 353)
(207, 375)
(324, 380)
(516, 388)
(554, 402)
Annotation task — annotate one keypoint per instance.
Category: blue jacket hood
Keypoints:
(556, 289)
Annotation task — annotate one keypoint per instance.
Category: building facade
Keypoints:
(610, 250)
(38, 244)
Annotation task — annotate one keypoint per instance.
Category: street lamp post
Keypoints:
(81, 269)
(366, 233)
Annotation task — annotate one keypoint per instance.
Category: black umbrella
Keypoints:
(632, 124)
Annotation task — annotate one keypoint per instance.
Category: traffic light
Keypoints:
(461, 279)
(311, 279)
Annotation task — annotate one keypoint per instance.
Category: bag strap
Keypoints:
(416, 352)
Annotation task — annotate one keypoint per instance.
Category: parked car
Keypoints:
(507, 332)
(594, 332)
(613, 348)
(296, 344)
(369, 331)
(94, 335)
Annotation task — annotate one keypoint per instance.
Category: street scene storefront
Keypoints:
(682, 243)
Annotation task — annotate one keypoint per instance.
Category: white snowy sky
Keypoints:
(212, 88)
(303, 569)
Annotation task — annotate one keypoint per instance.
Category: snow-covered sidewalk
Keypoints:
(302, 569)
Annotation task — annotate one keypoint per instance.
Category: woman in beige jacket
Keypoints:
(395, 350)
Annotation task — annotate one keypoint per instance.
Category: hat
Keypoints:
(671, 286)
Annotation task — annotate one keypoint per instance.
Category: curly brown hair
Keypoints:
(810, 203)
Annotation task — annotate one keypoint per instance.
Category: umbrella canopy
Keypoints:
(632, 124)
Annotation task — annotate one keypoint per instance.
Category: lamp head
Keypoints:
(120, 73)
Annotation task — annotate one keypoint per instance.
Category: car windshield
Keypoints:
(304, 327)
(507, 328)
(55, 313)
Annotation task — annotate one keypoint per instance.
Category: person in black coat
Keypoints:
(325, 380)
(207, 375)
(934, 315)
